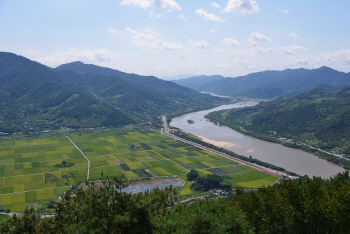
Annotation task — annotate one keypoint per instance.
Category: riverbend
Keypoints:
(293, 160)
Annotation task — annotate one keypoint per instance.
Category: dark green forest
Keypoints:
(311, 205)
(34, 97)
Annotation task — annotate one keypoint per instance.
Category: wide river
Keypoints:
(293, 160)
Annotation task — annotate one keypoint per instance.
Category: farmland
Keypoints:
(29, 171)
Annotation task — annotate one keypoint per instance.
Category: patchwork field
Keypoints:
(31, 171)
(150, 155)
(28, 172)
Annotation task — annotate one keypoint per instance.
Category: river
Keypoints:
(293, 160)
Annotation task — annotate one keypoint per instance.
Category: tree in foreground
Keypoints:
(27, 223)
(311, 206)
(106, 208)
(203, 216)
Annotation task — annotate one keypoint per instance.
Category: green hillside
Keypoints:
(34, 97)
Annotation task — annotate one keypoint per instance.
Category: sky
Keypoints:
(172, 37)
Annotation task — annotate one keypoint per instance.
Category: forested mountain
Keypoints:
(144, 81)
(196, 81)
(319, 117)
(131, 98)
(272, 84)
(32, 92)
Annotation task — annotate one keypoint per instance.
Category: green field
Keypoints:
(28, 173)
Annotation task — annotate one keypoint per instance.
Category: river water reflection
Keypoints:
(291, 159)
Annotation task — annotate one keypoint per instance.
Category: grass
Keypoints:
(4, 217)
(186, 189)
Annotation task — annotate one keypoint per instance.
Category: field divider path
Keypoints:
(88, 174)
(171, 161)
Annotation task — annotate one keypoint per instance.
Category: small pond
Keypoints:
(143, 185)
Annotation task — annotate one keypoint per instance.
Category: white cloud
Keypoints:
(291, 50)
(130, 31)
(167, 5)
(172, 46)
(207, 16)
(202, 44)
(242, 7)
(182, 17)
(341, 57)
(31, 52)
(263, 50)
(302, 62)
(139, 3)
(90, 56)
(214, 30)
(215, 5)
(230, 41)
(111, 30)
(257, 37)
(154, 15)
(284, 11)
(295, 36)
(151, 40)
(251, 52)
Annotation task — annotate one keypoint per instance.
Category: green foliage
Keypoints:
(107, 209)
(209, 182)
(204, 216)
(310, 206)
(27, 223)
(193, 174)
(58, 98)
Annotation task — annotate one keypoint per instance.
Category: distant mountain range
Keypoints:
(270, 84)
(83, 95)
(197, 81)
(177, 77)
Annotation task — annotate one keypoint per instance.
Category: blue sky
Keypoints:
(172, 37)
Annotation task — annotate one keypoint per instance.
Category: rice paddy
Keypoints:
(28, 173)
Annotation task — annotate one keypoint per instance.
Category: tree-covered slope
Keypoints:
(144, 81)
(320, 117)
(130, 97)
(31, 91)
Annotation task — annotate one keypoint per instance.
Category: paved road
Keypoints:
(165, 124)
(88, 175)
(253, 165)
(337, 155)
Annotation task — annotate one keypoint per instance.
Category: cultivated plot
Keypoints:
(29, 172)
(150, 155)
(36, 170)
